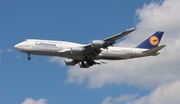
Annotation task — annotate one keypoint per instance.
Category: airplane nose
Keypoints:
(16, 46)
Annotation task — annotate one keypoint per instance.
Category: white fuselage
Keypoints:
(63, 49)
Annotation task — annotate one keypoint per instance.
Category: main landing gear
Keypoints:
(86, 63)
(29, 57)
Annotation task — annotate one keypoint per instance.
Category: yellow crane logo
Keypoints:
(154, 40)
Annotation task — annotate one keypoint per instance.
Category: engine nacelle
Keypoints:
(97, 43)
(70, 62)
(77, 50)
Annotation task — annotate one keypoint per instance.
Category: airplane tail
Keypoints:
(151, 42)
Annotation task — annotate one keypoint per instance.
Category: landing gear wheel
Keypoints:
(29, 58)
(82, 63)
(89, 61)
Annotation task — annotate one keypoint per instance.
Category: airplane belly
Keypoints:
(53, 53)
(119, 54)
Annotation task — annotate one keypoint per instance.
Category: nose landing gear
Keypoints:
(29, 57)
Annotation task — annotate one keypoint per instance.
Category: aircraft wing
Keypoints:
(113, 39)
(108, 41)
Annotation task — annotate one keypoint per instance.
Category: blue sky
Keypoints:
(77, 21)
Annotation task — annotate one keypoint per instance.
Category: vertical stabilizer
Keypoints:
(152, 42)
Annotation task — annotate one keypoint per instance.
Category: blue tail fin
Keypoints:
(152, 41)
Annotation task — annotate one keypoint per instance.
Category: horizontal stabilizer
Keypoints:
(154, 50)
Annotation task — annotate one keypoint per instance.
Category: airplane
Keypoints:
(87, 55)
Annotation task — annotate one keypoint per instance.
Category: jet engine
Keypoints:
(98, 43)
(70, 62)
(77, 50)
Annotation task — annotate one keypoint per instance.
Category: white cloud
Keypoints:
(107, 100)
(164, 94)
(147, 72)
(32, 101)
(9, 50)
(120, 99)
(58, 60)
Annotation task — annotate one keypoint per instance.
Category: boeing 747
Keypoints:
(86, 55)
